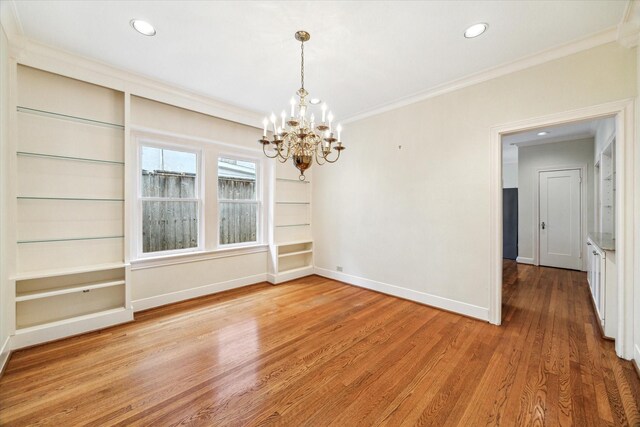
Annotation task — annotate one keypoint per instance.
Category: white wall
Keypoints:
(416, 220)
(510, 175)
(606, 128)
(532, 158)
(4, 161)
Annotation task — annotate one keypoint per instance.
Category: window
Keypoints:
(169, 199)
(238, 202)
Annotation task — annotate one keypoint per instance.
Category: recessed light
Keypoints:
(475, 30)
(543, 133)
(143, 27)
(315, 101)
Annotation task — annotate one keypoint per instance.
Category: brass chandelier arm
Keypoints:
(319, 155)
(265, 152)
(326, 158)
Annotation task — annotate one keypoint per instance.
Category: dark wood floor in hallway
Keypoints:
(318, 352)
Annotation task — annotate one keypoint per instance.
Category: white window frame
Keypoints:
(149, 142)
(259, 201)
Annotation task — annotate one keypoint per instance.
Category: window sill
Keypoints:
(189, 257)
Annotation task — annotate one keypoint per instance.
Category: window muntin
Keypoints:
(170, 204)
(238, 201)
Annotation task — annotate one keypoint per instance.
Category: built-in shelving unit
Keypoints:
(294, 256)
(607, 189)
(291, 243)
(70, 272)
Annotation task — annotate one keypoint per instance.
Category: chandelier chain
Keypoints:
(302, 65)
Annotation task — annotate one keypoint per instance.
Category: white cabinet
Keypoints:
(601, 276)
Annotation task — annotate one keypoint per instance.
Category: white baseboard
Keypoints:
(69, 327)
(636, 355)
(523, 260)
(164, 299)
(421, 297)
(278, 278)
(5, 352)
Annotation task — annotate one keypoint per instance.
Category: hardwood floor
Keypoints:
(318, 352)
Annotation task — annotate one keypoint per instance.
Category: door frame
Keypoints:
(584, 170)
(623, 111)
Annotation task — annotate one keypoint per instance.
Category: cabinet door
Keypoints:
(602, 280)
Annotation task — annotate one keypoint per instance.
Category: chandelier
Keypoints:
(300, 137)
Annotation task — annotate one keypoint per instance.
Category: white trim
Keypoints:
(66, 328)
(187, 258)
(459, 307)
(636, 356)
(258, 201)
(10, 19)
(584, 179)
(629, 26)
(523, 260)
(285, 276)
(623, 110)
(173, 297)
(170, 137)
(5, 353)
(575, 46)
(141, 142)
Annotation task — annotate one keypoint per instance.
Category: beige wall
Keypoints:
(530, 159)
(4, 161)
(156, 115)
(418, 218)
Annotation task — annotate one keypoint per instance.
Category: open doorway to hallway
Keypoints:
(559, 198)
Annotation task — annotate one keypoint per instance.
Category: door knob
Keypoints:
(543, 225)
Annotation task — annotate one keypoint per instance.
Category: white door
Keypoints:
(560, 217)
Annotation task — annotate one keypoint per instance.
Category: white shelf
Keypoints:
(295, 253)
(292, 271)
(295, 242)
(67, 271)
(75, 319)
(31, 295)
(293, 180)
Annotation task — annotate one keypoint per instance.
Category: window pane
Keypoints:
(238, 222)
(169, 225)
(236, 180)
(168, 173)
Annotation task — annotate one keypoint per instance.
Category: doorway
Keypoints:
(622, 112)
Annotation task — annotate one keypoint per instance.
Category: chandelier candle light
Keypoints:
(300, 137)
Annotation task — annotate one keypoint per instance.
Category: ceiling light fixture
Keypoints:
(299, 137)
(475, 30)
(315, 101)
(143, 27)
(543, 133)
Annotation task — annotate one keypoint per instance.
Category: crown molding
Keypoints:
(38, 55)
(9, 19)
(607, 36)
(629, 27)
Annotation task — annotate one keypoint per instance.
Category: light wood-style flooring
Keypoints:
(319, 352)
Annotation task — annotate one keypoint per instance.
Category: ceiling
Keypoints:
(362, 54)
(558, 133)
